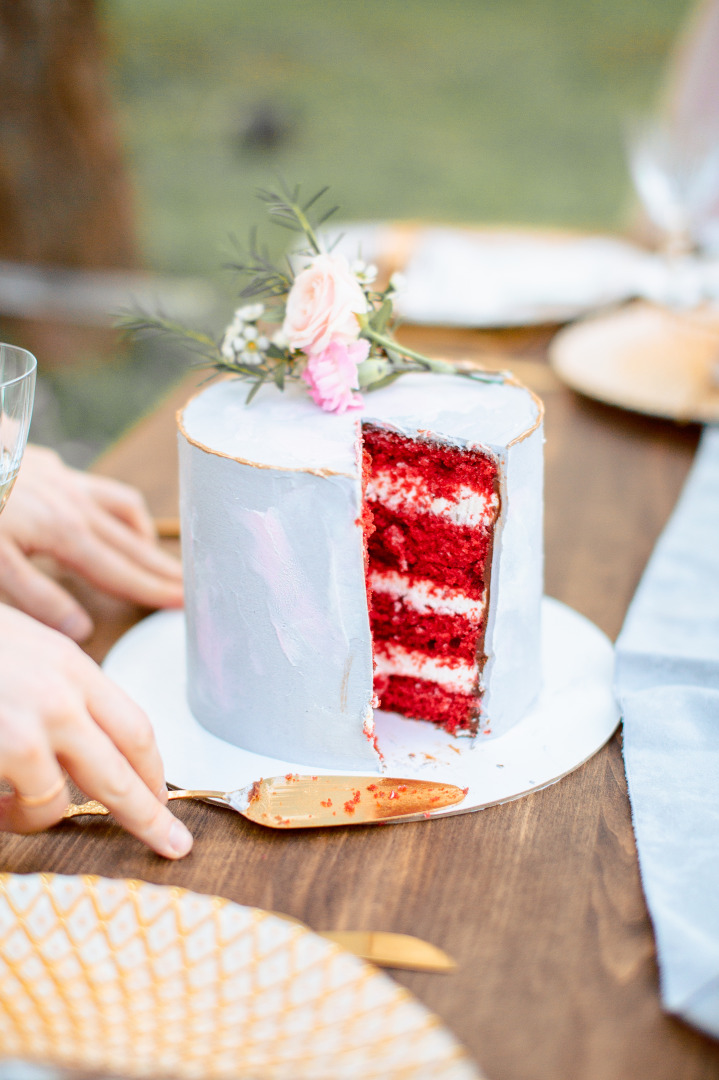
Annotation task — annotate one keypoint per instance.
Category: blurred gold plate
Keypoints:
(138, 980)
(645, 358)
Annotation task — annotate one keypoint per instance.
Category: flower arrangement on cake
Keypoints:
(317, 318)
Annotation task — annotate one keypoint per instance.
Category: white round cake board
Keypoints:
(574, 716)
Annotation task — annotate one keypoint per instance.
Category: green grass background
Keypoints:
(450, 110)
(460, 110)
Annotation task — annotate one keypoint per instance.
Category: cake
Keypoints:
(336, 563)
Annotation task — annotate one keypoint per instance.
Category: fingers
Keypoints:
(38, 595)
(108, 554)
(130, 730)
(141, 576)
(40, 791)
(58, 711)
(137, 548)
(98, 527)
(115, 557)
(123, 501)
(98, 767)
(126, 733)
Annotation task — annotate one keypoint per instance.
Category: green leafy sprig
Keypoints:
(247, 352)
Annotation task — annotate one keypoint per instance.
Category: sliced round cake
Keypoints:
(384, 558)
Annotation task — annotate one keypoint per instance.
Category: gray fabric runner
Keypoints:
(667, 683)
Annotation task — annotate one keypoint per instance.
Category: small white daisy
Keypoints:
(242, 340)
(364, 272)
(251, 355)
(250, 313)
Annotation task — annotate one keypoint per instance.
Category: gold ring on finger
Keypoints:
(45, 798)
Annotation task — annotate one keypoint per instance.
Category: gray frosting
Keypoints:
(287, 430)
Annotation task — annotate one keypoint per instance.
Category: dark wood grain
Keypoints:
(539, 900)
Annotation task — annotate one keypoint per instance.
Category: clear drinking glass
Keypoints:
(17, 392)
(676, 175)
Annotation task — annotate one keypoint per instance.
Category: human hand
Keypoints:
(98, 527)
(58, 710)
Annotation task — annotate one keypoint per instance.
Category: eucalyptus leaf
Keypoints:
(485, 376)
(381, 317)
(255, 387)
(314, 198)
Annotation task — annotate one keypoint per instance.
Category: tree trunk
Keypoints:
(65, 200)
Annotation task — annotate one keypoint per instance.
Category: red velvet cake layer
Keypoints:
(423, 700)
(432, 633)
(409, 478)
(444, 469)
(431, 547)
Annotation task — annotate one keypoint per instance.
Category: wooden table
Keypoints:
(540, 900)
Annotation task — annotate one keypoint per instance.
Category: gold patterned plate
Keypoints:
(645, 358)
(126, 978)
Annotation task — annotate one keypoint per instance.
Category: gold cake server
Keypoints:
(300, 802)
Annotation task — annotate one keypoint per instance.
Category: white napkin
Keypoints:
(667, 682)
(517, 277)
(512, 278)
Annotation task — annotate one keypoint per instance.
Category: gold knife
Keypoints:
(385, 949)
(300, 802)
(167, 528)
(392, 950)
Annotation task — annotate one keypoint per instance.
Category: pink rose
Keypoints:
(322, 305)
(332, 375)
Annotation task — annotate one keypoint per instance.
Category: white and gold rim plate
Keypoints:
(575, 715)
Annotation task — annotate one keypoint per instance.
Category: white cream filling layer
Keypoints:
(391, 659)
(425, 596)
(467, 508)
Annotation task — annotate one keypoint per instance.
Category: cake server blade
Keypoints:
(301, 802)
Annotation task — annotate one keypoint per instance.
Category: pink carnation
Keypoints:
(323, 304)
(332, 375)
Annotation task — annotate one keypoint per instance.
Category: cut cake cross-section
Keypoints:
(392, 552)
(434, 507)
